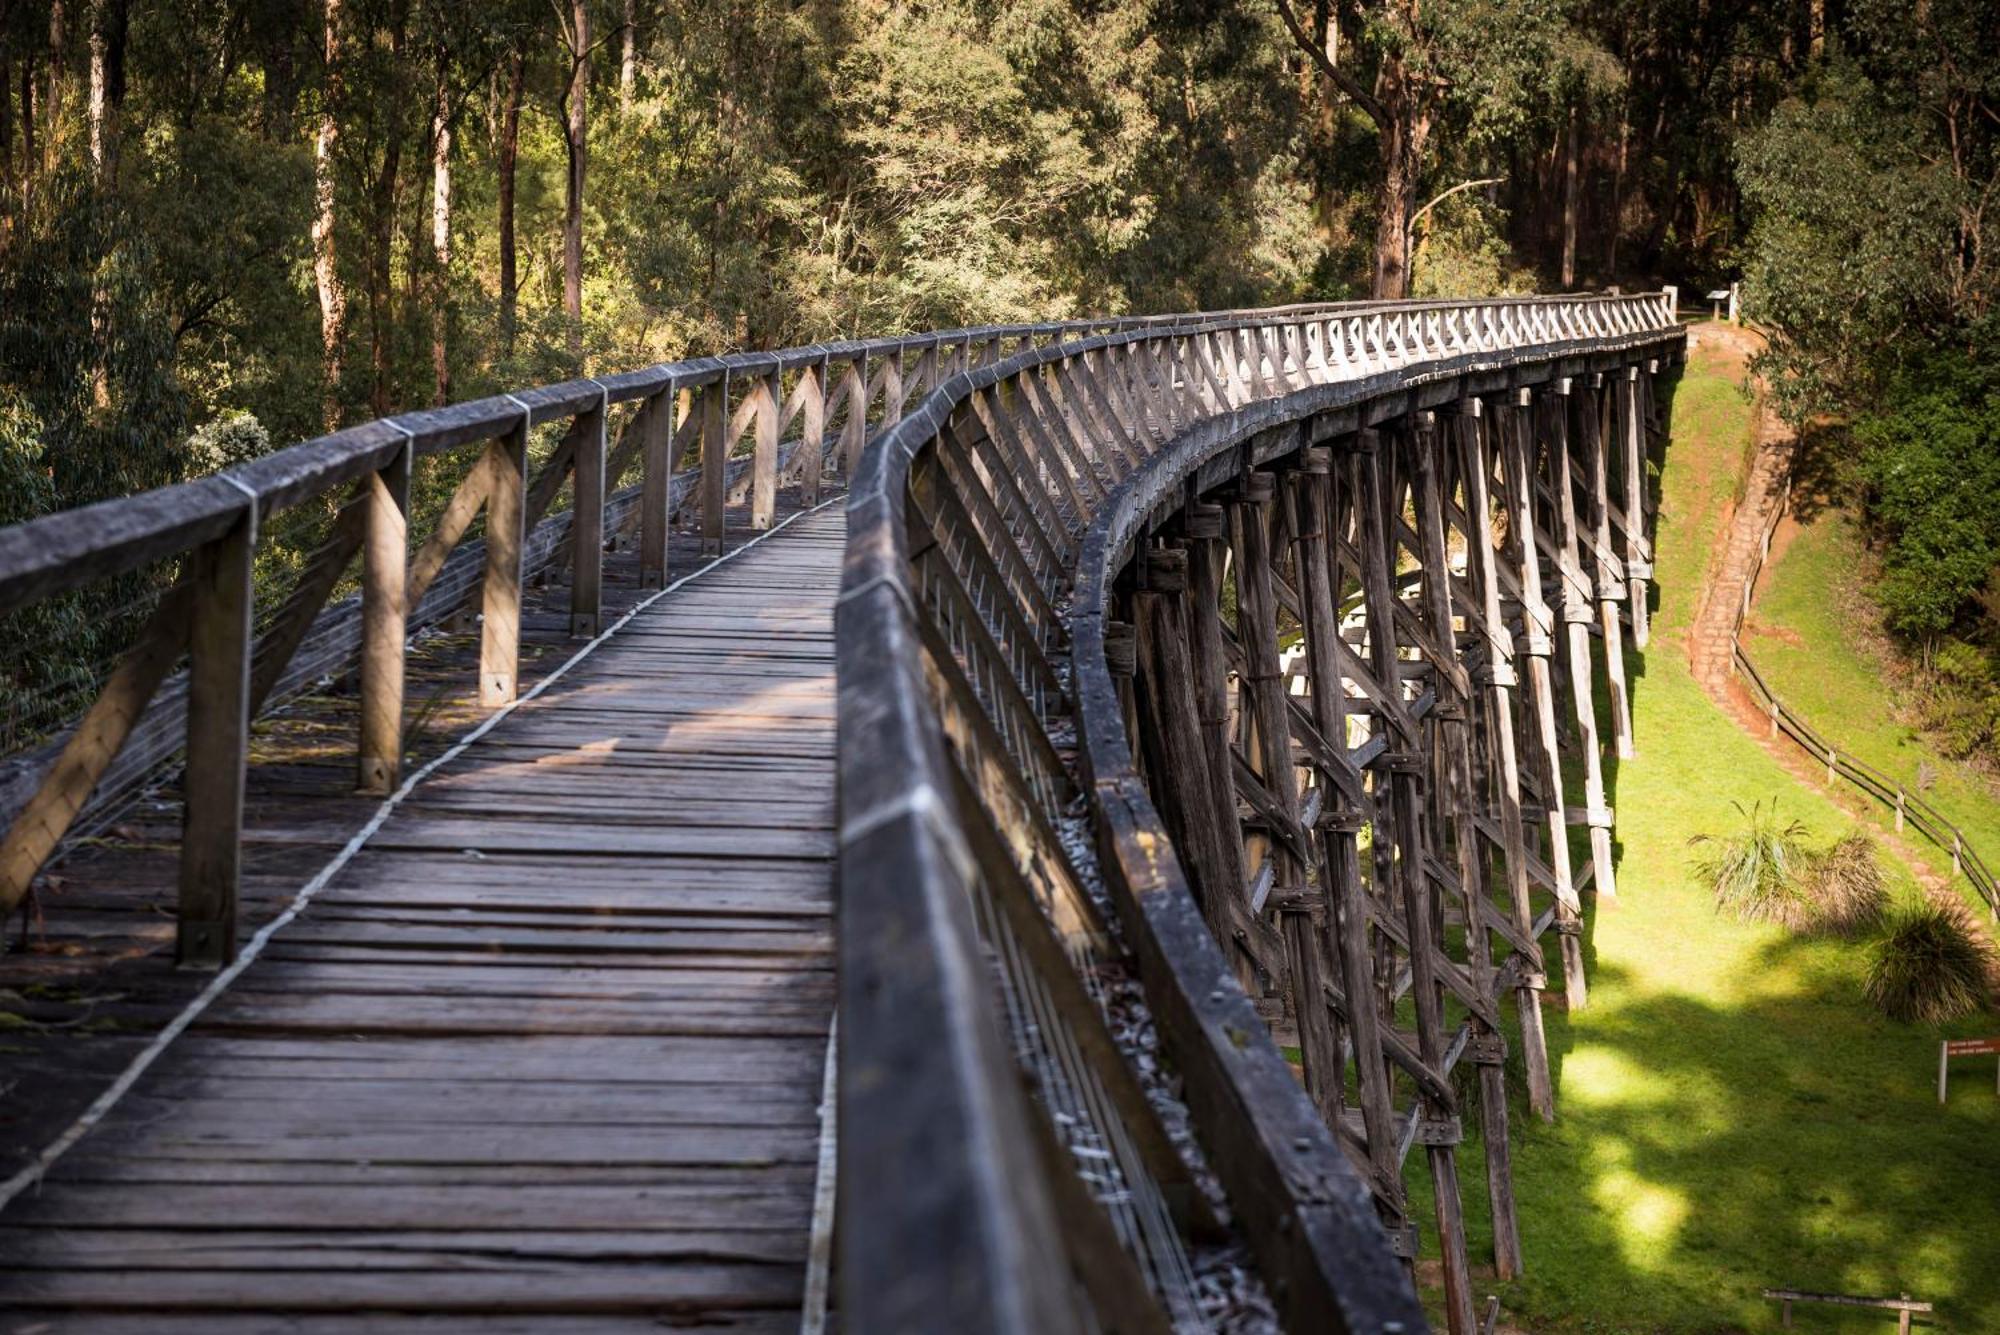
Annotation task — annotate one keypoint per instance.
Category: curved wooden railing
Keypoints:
(996, 846)
(699, 436)
(1908, 809)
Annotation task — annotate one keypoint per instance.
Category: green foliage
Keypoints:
(1839, 270)
(1465, 253)
(1754, 873)
(225, 441)
(1933, 964)
(1930, 461)
(1845, 887)
(1767, 872)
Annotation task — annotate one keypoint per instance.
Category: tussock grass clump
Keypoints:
(1933, 964)
(1846, 886)
(1755, 873)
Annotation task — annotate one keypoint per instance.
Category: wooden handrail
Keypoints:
(1904, 1307)
(670, 408)
(937, 614)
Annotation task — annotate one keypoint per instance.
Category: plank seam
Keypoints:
(819, 1255)
(34, 1172)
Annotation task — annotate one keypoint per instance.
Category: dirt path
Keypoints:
(1732, 579)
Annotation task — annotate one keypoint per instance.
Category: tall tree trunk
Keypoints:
(96, 104)
(628, 62)
(441, 230)
(30, 160)
(6, 124)
(1570, 206)
(326, 272)
(510, 144)
(1618, 190)
(109, 23)
(381, 305)
(576, 133)
(52, 100)
(1405, 130)
(382, 207)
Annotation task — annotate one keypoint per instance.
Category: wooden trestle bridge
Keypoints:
(1176, 693)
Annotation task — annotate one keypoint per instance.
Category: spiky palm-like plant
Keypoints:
(1755, 873)
(1933, 964)
(1846, 887)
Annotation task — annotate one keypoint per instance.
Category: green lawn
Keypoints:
(1732, 1115)
(1806, 645)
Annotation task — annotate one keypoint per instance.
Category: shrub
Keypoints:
(1755, 874)
(1933, 964)
(1845, 887)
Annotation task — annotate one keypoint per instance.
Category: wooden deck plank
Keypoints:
(545, 1056)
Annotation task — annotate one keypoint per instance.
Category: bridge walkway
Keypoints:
(546, 1054)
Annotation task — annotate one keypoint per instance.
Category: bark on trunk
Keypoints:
(510, 144)
(440, 232)
(52, 100)
(1405, 129)
(628, 62)
(576, 132)
(326, 271)
(96, 105)
(1618, 192)
(1569, 206)
(381, 303)
(29, 161)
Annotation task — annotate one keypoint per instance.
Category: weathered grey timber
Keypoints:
(1064, 500)
(550, 1046)
(1087, 804)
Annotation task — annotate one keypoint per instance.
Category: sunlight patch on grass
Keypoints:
(1732, 1115)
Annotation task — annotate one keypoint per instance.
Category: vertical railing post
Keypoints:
(385, 561)
(220, 630)
(656, 486)
(500, 625)
(714, 463)
(854, 427)
(813, 438)
(764, 458)
(586, 525)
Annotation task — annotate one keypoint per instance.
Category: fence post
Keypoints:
(500, 626)
(1957, 852)
(384, 623)
(1829, 766)
(813, 437)
(714, 463)
(656, 486)
(1899, 808)
(220, 630)
(586, 524)
(764, 459)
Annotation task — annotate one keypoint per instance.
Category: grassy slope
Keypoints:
(1807, 649)
(1731, 1114)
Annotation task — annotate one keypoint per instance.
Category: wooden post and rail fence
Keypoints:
(1910, 810)
(1904, 1307)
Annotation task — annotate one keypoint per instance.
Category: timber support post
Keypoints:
(384, 625)
(220, 635)
(656, 486)
(500, 625)
(586, 590)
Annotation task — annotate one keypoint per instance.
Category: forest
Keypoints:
(227, 225)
